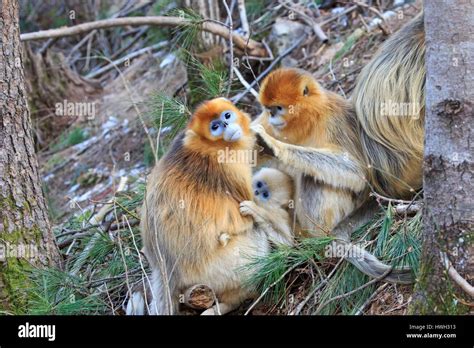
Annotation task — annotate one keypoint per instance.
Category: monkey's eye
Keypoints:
(265, 194)
(216, 127)
(279, 108)
(228, 116)
(259, 184)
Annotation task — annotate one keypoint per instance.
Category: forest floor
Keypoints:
(103, 160)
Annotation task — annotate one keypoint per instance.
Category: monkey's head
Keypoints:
(272, 186)
(291, 98)
(219, 123)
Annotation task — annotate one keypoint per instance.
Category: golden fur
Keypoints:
(339, 150)
(191, 199)
(310, 121)
(272, 213)
(394, 145)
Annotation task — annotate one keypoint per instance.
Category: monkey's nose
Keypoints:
(275, 110)
(256, 192)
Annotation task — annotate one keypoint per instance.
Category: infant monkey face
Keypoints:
(261, 191)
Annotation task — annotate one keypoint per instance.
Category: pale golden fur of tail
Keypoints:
(393, 144)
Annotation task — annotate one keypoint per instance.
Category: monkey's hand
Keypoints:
(249, 208)
(224, 239)
(269, 144)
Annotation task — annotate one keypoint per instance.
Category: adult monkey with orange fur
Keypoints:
(340, 150)
(193, 196)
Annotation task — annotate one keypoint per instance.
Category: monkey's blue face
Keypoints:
(261, 190)
(226, 126)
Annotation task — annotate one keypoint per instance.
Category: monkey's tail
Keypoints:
(163, 301)
(136, 304)
(373, 267)
(361, 258)
(161, 294)
(389, 99)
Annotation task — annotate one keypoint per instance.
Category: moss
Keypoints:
(53, 161)
(31, 235)
(442, 301)
(350, 42)
(7, 202)
(14, 273)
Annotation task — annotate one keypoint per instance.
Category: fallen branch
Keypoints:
(361, 309)
(199, 296)
(97, 218)
(262, 295)
(456, 277)
(309, 21)
(390, 200)
(340, 14)
(409, 209)
(300, 306)
(253, 47)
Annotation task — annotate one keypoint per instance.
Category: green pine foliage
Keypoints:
(393, 239)
(272, 267)
(100, 266)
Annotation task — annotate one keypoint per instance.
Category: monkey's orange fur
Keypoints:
(339, 150)
(191, 200)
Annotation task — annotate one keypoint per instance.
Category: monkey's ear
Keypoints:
(306, 91)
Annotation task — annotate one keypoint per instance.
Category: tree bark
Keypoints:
(26, 239)
(448, 163)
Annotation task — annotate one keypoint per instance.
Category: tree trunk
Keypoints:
(448, 163)
(26, 239)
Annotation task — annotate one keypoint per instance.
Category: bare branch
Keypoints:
(456, 277)
(243, 17)
(231, 47)
(308, 20)
(245, 83)
(253, 47)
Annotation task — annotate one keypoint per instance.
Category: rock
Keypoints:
(284, 34)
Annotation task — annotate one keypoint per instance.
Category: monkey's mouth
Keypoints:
(279, 125)
(233, 133)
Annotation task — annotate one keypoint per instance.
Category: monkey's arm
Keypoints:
(276, 224)
(334, 168)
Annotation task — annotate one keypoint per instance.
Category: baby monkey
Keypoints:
(273, 198)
